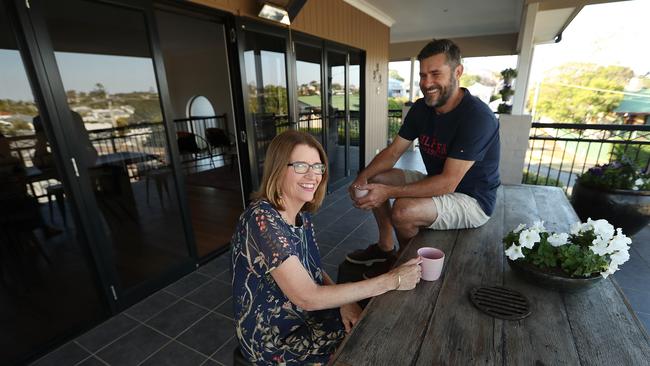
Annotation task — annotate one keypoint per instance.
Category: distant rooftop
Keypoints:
(636, 103)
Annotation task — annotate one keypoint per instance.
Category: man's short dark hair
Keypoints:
(438, 46)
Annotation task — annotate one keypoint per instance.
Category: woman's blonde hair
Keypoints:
(278, 156)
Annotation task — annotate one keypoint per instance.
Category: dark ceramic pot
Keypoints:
(553, 279)
(627, 209)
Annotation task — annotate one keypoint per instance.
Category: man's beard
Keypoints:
(444, 93)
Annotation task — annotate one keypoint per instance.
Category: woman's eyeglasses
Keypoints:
(301, 167)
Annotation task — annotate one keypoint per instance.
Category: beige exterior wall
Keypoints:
(337, 21)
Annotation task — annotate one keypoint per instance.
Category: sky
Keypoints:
(609, 34)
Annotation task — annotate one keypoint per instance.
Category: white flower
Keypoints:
(579, 227)
(620, 242)
(528, 238)
(519, 228)
(514, 252)
(539, 226)
(638, 183)
(610, 270)
(602, 228)
(619, 258)
(600, 246)
(558, 239)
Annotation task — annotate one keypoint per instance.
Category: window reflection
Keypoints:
(308, 74)
(354, 95)
(44, 271)
(118, 132)
(336, 147)
(266, 81)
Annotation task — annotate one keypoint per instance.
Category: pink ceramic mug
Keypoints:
(432, 261)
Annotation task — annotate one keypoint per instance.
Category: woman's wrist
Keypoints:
(393, 281)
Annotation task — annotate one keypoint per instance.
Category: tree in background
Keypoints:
(393, 74)
(581, 92)
(469, 79)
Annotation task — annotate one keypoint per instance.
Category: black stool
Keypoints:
(238, 358)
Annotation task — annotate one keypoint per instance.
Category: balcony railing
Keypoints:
(394, 122)
(559, 152)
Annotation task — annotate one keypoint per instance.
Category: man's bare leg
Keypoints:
(408, 215)
(385, 226)
(393, 177)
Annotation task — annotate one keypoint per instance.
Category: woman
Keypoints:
(287, 309)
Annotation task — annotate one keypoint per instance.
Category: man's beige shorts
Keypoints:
(455, 210)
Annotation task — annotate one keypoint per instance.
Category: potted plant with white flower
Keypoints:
(567, 261)
(618, 192)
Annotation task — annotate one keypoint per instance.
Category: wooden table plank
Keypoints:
(543, 338)
(615, 335)
(459, 334)
(389, 321)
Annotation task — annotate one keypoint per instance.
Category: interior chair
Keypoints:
(158, 173)
(195, 146)
(219, 139)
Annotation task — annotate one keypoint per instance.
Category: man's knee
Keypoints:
(403, 213)
(393, 177)
(413, 212)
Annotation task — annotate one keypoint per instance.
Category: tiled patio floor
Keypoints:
(190, 322)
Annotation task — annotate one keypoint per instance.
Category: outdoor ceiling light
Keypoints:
(275, 13)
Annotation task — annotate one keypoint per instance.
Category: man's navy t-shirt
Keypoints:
(468, 132)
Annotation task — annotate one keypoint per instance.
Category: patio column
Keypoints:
(526, 47)
(412, 80)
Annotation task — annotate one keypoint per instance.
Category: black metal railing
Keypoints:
(146, 138)
(394, 122)
(312, 123)
(559, 152)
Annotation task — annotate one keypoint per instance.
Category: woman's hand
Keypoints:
(350, 315)
(407, 275)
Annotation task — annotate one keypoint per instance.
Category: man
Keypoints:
(459, 142)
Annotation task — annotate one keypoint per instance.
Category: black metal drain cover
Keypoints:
(500, 302)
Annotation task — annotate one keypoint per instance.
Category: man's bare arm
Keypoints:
(386, 158)
(443, 183)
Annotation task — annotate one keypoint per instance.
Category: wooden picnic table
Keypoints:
(436, 323)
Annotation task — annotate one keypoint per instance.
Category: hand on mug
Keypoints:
(407, 275)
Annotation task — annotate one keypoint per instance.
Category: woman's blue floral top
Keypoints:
(271, 329)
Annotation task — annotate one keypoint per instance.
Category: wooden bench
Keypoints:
(436, 324)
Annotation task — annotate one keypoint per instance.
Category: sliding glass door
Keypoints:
(265, 92)
(300, 82)
(49, 287)
(102, 54)
(309, 90)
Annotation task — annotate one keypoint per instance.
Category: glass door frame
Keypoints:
(57, 106)
(244, 25)
(29, 41)
(291, 37)
(314, 42)
(329, 46)
(209, 14)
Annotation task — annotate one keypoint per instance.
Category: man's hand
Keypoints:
(360, 181)
(377, 195)
(350, 315)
